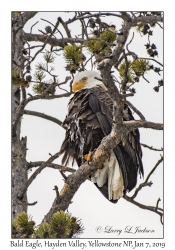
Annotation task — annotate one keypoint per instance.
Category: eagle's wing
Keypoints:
(128, 155)
(89, 119)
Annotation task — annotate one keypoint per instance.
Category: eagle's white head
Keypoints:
(86, 80)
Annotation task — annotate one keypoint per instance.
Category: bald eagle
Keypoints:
(88, 121)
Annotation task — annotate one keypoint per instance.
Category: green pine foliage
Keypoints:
(108, 36)
(48, 57)
(44, 230)
(135, 69)
(95, 46)
(139, 66)
(41, 70)
(130, 73)
(15, 77)
(62, 225)
(22, 226)
(39, 75)
(139, 27)
(73, 56)
(37, 88)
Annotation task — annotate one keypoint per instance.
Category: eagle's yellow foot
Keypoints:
(87, 157)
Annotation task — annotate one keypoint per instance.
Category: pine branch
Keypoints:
(151, 59)
(129, 22)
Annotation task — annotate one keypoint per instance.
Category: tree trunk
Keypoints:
(19, 169)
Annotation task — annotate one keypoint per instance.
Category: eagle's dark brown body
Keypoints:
(89, 119)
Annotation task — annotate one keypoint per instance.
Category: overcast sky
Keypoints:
(44, 137)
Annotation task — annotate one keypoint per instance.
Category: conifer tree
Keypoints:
(100, 45)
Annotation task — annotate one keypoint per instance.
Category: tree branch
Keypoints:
(50, 165)
(61, 42)
(73, 181)
(154, 168)
(20, 109)
(135, 110)
(134, 124)
(28, 15)
(146, 19)
(121, 40)
(42, 115)
(93, 15)
(32, 204)
(151, 147)
(146, 183)
(34, 175)
(150, 208)
(151, 59)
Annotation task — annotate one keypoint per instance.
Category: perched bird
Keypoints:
(88, 121)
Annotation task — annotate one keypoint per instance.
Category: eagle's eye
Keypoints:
(84, 79)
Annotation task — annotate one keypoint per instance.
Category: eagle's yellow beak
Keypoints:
(78, 85)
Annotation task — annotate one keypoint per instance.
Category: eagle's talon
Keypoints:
(88, 157)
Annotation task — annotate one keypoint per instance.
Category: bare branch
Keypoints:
(33, 26)
(160, 25)
(145, 78)
(150, 208)
(32, 204)
(63, 175)
(130, 52)
(50, 165)
(135, 110)
(60, 42)
(93, 15)
(154, 168)
(38, 171)
(20, 109)
(125, 77)
(144, 184)
(146, 19)
(132, 125)
(57, 194)
(156, 209)
(157, 204)
(42, 115)
(65, 26)
(151, 147)
(53, 26)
